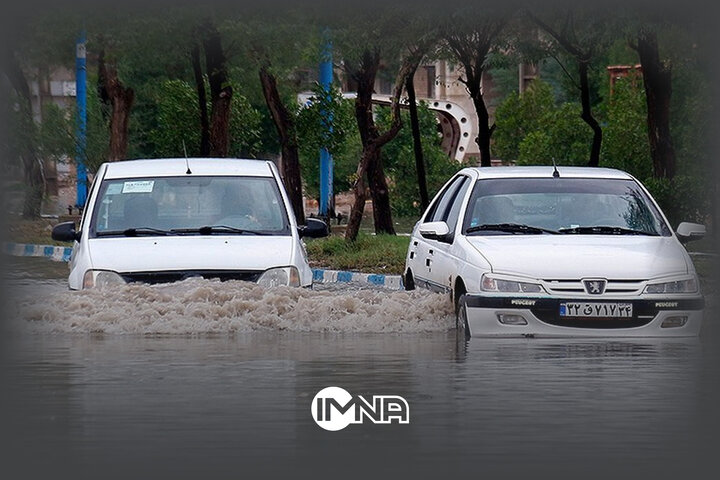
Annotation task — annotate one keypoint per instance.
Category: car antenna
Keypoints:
(556, 174)
(188, 172)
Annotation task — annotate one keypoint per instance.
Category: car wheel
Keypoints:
(461, 323)
(409, 281)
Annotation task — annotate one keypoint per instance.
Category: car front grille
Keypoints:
(575, 286)
(594, 322)
(176, 276)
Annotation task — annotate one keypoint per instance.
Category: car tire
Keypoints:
(409, 281)
(461, 322)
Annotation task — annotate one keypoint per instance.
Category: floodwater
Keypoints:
(215, 380)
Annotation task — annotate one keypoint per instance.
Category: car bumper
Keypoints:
(651, 318)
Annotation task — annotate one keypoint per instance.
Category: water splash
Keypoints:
(197, 306)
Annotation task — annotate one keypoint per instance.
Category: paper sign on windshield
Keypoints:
(143, 186)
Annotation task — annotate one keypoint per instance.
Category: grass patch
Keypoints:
(401, 224)
(369, 253)
(36, 231)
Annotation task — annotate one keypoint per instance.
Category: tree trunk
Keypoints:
(34, 183)
(471, 51)
(285, 125)
(120, 99)
(359, 197)
(220, 91)
(484, 129)
(417, 144)
(371, 163)
(373, 141)
(658, 89)
(587, 115)
(32, 164)
(202, 101)
(379, 190)
(380, 193)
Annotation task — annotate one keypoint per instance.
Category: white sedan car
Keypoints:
(164, 220)
(540, 251)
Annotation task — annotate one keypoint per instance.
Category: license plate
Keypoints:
(589, 309)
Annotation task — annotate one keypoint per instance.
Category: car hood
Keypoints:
(216, 252)
(583, 256)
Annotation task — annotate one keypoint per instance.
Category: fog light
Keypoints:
(674, 322)
(511, 319)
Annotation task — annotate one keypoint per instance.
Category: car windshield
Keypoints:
(189, 205)
(561, 205)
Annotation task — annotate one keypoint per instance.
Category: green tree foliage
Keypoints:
(561, 135)
(685, 198)
(691, 111)
(20, 130)
(343, 142)
(56, 133)
(97, 134)
(518, 115)
(178, 121)
(533, 130)
(399, 159)
(626, 142)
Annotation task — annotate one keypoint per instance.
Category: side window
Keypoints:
(87, 202)
(439, 211)
(456, 204)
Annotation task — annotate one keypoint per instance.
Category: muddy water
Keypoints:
(211, 380)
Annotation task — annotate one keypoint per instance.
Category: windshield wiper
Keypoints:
(510, 227)
(210, 229)
(603, 229)
(134, 232)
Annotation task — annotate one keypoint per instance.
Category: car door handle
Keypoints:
(427, 262)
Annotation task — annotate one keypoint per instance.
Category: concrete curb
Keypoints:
(53, 252)
(62, 254)
(339, 276)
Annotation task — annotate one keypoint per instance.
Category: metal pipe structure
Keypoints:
(326, 204)
(81, 99)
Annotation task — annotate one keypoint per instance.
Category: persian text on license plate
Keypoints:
(589, 309)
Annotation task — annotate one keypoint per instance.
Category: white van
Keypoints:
(164, 220)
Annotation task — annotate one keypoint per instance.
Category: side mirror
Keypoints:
(687, 232)
(65, 232)
(314, 228)
(435, 231)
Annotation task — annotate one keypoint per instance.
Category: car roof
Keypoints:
(170, 167)
(547, 172)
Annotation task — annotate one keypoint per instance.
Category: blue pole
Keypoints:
(326, 160)
(81, 99)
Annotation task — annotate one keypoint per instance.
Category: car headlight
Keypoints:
(283, 276)
(494, 284)
(685, 285)
(101, 279)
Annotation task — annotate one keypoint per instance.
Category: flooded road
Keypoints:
(209, 380)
